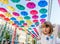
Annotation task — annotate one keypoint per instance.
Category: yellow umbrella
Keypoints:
(10, 22)
(29, 22)
(10, 8)
(25, 29)
(0, 0)
(8, 14)
(5, 1)
(19, 18)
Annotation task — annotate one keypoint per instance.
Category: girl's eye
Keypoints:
(47, 25)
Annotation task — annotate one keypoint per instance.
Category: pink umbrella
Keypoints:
(59, 2)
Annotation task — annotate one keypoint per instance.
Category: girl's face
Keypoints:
(46, 30)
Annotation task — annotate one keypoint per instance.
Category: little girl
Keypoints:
(46, 35)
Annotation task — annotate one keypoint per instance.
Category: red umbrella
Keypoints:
(15, 25)
(20, 29)
(35, 31)
(6, 19)
(2, 16)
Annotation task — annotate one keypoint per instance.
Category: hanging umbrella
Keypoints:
(59, 2)
(25, 14)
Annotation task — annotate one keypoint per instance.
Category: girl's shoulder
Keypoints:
(52, 36)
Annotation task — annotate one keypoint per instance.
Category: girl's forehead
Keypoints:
(43, 26)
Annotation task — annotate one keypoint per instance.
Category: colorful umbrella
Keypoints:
(24, 13)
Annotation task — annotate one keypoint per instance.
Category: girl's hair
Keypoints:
(48, 24)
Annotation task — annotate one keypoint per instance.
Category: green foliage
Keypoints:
(7, 35)
(59, 34)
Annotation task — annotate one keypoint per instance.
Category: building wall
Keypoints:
(55, 12)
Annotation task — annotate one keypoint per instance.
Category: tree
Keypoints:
(7, 35)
